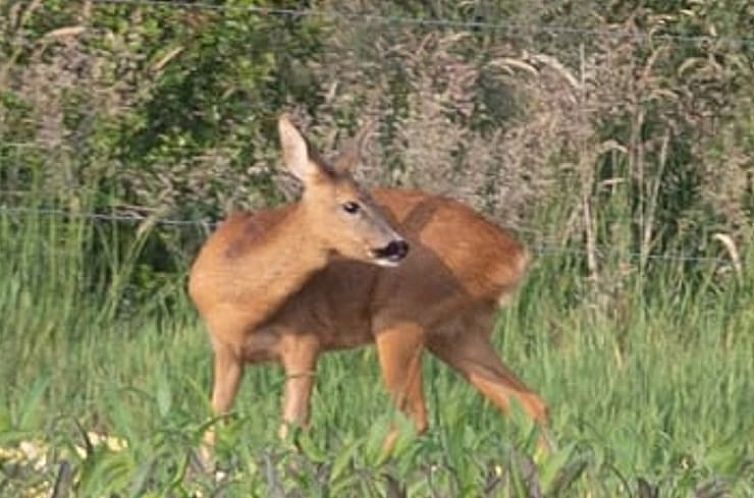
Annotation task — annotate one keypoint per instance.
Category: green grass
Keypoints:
(652, 391)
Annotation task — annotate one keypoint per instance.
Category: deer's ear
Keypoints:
(296, 151)
(350, 157)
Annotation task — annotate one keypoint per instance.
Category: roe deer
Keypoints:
(331, 271)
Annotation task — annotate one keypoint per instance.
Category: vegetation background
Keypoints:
(616, 138)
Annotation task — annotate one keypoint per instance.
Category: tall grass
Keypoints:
(639, 146)
(650, 391)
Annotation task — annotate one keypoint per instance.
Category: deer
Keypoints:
(344, 267)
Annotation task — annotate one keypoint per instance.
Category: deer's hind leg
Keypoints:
(463, 342)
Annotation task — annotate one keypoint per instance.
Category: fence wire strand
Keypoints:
(542, 248)
(115, 217)
(512, 29)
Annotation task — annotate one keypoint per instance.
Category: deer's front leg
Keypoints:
(298, 354)
(400, 349)
(228, 371)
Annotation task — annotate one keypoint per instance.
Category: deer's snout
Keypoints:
(391, 254)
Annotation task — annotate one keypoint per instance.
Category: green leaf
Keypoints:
(164, 396)
(343, 459)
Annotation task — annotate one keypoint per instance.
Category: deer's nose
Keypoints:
(395, 251)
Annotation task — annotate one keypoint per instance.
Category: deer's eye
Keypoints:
(351, 207)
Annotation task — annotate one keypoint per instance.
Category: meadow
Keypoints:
(650, 396)
(616, 138)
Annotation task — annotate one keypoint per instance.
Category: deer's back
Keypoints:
(457, 261)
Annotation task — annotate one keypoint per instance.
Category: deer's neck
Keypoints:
(277, 265)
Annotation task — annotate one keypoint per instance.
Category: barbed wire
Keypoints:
(539, 247)
(512, 29)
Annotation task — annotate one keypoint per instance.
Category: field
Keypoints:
(616, 138)
(649, 397)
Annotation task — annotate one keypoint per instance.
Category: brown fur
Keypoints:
(278, 286)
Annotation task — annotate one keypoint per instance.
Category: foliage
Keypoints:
(657, 398)
(633, 145)
(613, 138)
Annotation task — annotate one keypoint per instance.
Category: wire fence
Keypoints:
(511, 29)
(114, 217)
(543, 247)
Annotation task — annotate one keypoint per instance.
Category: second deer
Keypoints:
(344, 267)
